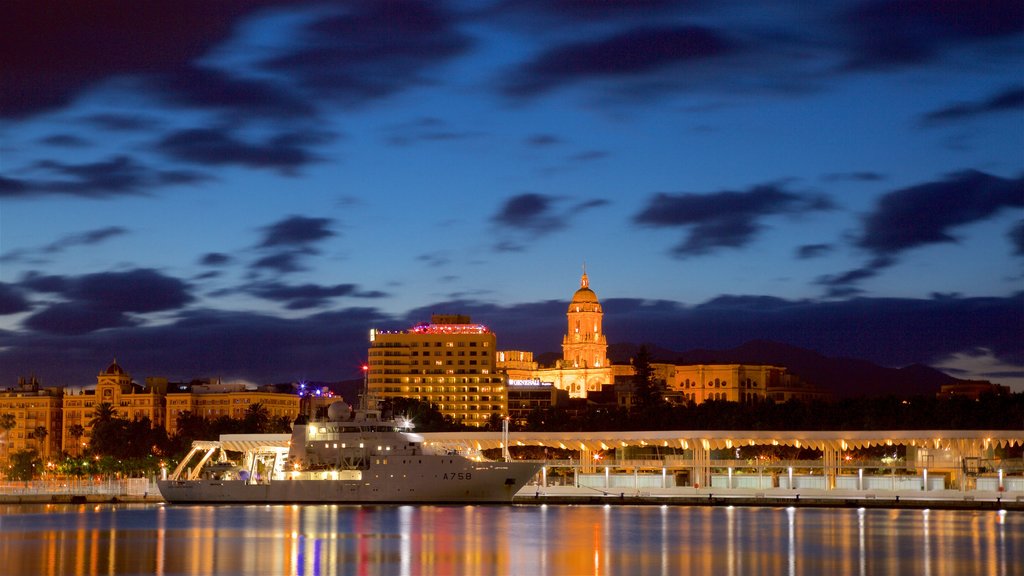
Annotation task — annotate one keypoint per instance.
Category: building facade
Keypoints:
(450, 363)
(584, 366)
(28, 408)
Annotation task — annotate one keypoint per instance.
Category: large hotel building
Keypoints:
(449, 362)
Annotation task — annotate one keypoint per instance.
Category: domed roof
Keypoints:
(114, 369)
(584, 295)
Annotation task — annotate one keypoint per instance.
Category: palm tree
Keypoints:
(7, 422)
(257, 418)
(103, 412)
(76, 431)
(40, 434)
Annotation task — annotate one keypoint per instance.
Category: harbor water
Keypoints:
(523, 539)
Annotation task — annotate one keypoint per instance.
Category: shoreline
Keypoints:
(568, 496)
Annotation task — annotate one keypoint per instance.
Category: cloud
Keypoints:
(103, 300)
(726, 219)
(927, 213)
(427, 130)
(65, 141)
(524, 218)
(623, 55)
(533, 211)
(331, 345)
(304, 296)
(888, 34)
(924, 214)
(121, 122)
(296, 231)
(1017, 238)
(101, 41)
(117, 176)
(1009, 100)
(284, 262)
(87, 238)
(813, 250)
(215, 259)
(12, 300)
(207, 88)
(202, 343)
(861, 176)
(543, 140)
(371, 50)
(285, 152)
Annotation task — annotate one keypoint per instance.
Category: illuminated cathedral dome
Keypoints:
(584, 300)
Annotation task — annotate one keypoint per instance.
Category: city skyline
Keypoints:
(244, 190)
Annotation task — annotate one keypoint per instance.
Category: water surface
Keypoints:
(528, 540)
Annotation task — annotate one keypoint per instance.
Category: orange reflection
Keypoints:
(597, 540)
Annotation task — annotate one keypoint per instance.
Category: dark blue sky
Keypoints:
(243, 189)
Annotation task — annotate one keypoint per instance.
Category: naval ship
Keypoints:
(351, 456)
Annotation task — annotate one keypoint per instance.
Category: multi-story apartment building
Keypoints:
(212, 400)
(29, 408)
(114, 386)
(449, 362)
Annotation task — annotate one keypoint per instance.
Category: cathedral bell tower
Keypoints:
(584, 345)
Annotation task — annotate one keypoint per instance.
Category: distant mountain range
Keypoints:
(845, 377)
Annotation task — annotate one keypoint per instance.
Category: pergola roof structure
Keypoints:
(960, 440)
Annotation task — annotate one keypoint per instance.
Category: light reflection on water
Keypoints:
(562, 540)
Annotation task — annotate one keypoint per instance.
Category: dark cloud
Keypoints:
(427, 130)
(436, 259)
(12, 300)
(526, 217)
(533, 211)
(725, 219)
(1011, 99)
(844, 284)
(927, 213)
(289, 241)
(118, 176)
(296, 231)
(304, 296)
(623, 55)
(200, 87)
(371, 50)
(284, 262)
(201, 343)
(886, 34)
(64, 141)
(330, 346)
(122, 122)
(1017, 238)
(103, 300)
(862, 176)
(285, 152)
(588, 10)
(99, 41)
(215, 259)
(813, 250)
(924, 214)
(87, 238)
(540, 140)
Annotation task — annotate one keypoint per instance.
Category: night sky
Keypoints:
(242, 189)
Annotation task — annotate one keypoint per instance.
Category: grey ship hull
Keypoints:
(424, 480)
